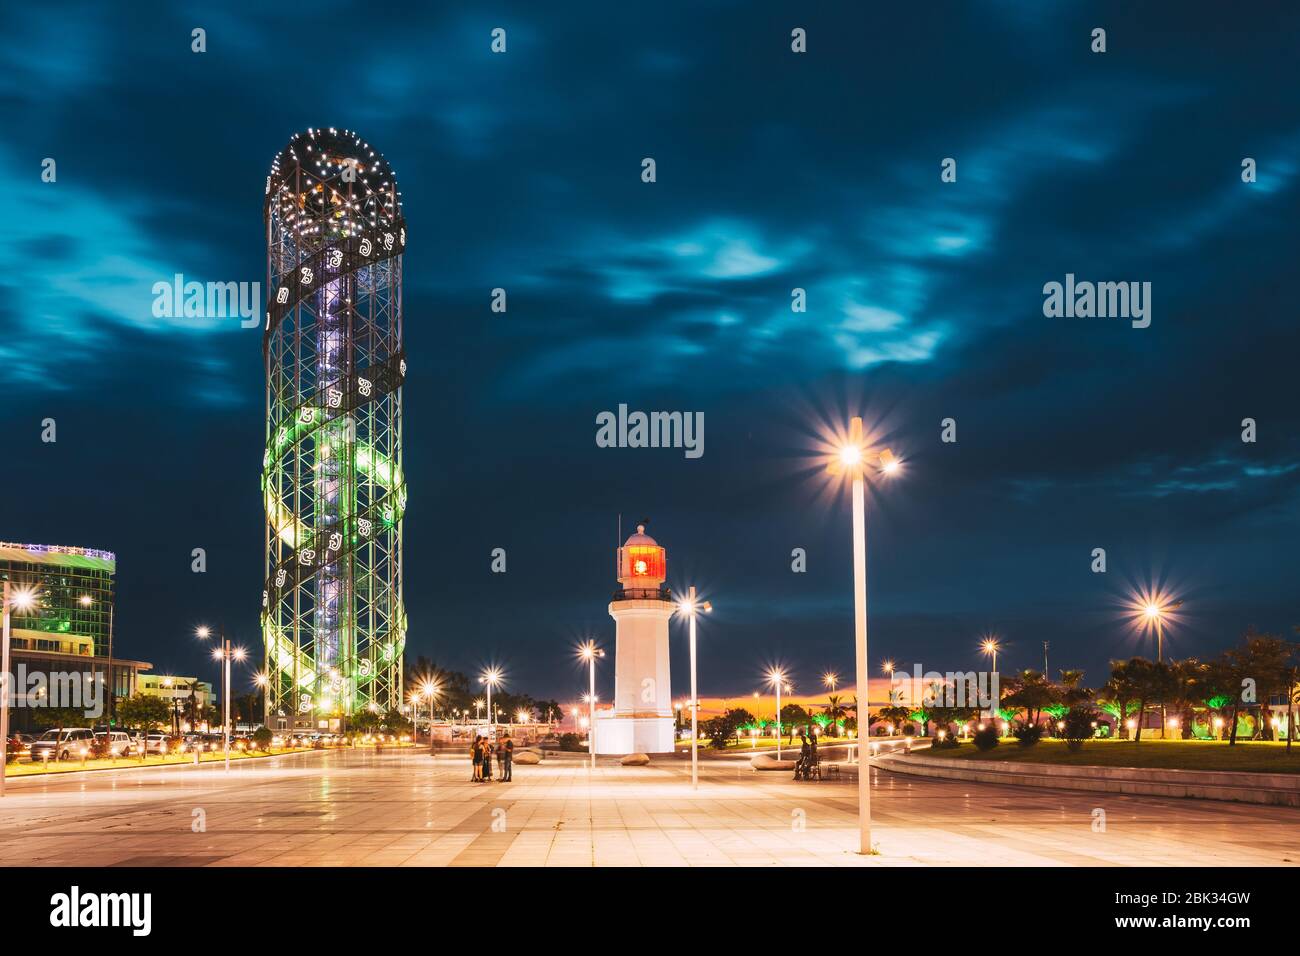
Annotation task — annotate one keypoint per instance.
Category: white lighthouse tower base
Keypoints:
(633, 735)
(642, 717)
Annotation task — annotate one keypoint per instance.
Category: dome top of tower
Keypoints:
(335, 176)
(640, 538)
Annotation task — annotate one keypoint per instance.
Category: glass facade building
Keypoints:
(73, 613)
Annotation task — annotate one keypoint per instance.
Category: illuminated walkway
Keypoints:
(401, 808)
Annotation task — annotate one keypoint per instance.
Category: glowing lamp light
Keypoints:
(23, 599)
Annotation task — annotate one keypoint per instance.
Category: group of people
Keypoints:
(807, 762)
(482, 756)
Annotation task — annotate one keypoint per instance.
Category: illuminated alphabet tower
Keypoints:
(642, 720)
(332, 615)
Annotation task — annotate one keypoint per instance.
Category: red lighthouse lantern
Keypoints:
(642, 566)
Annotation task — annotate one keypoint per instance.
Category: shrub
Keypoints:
(1028, 734)
(571, 743)
(985, 739)
(262, 737)
(909, 730)
(1078, 726)
(946, 742)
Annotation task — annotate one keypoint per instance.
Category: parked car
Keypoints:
(18, 746)
(61, 745)
(156, 743)
(120, 743)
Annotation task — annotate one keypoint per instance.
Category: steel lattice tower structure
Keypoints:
(333, 621)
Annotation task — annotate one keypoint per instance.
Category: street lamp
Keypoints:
(991, 647)
(831, 679)
(589, 652)
(853, 460)
(226, 654)
(691, 608)
(22, 599)
(491, 677)
(430, 690)
(1154, 609)
(776, 676)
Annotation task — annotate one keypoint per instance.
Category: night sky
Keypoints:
(775, 170)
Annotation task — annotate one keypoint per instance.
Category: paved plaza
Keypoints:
(402, 808)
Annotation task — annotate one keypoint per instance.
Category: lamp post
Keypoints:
(1155, 610)
(691, 607)
(852, 460)
(491, 677)
(22, 599)
(589, 652)
(990, 646)
(830, 679)
(777, 677)
(226, 654)
(430, 690)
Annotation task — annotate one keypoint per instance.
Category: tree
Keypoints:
(1079, 725)
(945, 717)
(143, 712)
(64, 717)
(1152, 682)
(1119, 694)
(1186, 688)
(893, 714)
(1030, 692)
(1263, 660)
(794, 716)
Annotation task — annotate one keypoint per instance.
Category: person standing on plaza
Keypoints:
(487, 759)
(505, 757)
(476, 754)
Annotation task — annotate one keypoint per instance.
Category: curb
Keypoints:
(1260, 788)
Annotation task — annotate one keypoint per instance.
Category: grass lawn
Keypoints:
(1259, 756)
(769, 743)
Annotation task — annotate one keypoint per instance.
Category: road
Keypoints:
(402, 808)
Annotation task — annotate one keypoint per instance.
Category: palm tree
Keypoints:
(1030, 692)
(1263, 660)
(833, 709)
(1187, 687)
(1152, 683)
(1119, 693)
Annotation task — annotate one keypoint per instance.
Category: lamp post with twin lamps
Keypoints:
(21, 599)
(691, 607)
(225, 655)
(852, 461)
(589, 652)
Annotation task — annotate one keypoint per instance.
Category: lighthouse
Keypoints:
(642, 719)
